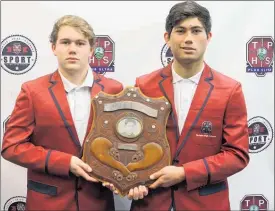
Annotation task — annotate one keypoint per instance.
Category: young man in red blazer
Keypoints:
(51, 118)
(207, 128)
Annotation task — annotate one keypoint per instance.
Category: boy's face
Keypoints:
(72, 49)
(188, 40)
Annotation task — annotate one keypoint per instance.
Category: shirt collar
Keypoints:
(195, 78)
(69, 86)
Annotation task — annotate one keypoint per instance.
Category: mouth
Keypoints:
(72, 59)
(188, 48)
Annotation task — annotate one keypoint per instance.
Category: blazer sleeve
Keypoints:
(233, 156)
(17, 146)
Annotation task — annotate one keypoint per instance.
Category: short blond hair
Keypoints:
(76, 22)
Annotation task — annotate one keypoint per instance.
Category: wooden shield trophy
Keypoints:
(127, 142)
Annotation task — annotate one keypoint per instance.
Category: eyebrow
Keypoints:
(67, 39)
(193, 27)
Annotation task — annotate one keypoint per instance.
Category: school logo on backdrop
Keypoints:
(17, 203)
(166, 55)
(103, 59)
(18, 54)
(254, 202)
(260, 55)
(260, 134)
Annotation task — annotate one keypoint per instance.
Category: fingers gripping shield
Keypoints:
(127, 141)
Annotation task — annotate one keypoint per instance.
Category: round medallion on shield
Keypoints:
(129, 127)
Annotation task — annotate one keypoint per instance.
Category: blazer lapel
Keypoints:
(199, 101)
(59, 97)
(96, 88)
(166, 87)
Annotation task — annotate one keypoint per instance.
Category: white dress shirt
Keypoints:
(184, 90)
(79, 99)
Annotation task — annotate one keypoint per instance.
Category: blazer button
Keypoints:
(175, 161)
(79, 188)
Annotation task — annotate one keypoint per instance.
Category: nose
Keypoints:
(72, 48)
(188, 38)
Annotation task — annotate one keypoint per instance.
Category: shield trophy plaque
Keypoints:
(127, 141)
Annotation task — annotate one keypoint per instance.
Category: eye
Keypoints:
(196, 31)
(179, 30)
(80, 43)
(65, 42)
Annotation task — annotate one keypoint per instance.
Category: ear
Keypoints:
(166, 38)
(209, 36)
(54, 49)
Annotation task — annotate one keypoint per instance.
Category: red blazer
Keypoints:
(212, 146)
(41, 136)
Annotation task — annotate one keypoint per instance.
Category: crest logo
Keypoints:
(206, 130)
(254, 203)
(17, 203)
(18, 54)
(206, 127)
(260, 134)
(104, 56)
(260, 55)
(166, 55)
